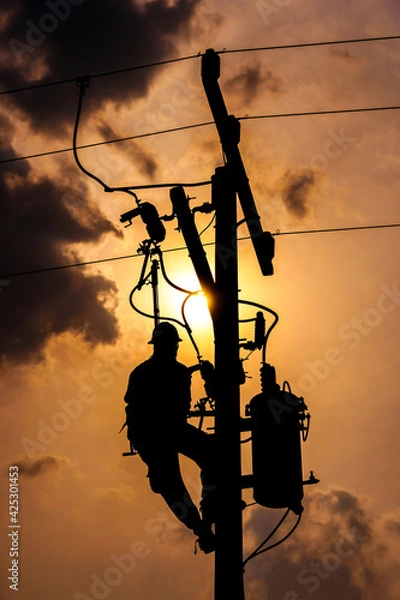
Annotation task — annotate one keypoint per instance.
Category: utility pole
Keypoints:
(222, 296)
(228, 371)
(229, 181)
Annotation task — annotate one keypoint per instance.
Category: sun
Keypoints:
(190, 305)
(195, 310)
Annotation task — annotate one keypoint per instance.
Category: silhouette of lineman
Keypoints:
(158, 401)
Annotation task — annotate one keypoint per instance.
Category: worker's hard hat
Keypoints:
(164, 332)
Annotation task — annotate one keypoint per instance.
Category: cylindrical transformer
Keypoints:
(276, 450)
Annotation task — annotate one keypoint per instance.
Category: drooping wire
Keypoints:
(208, 225)
(83, 84)
(188, 328)
(138, 286)
(189, 294)
(141, 312)
(276, 319)
(143, 279)
(166, 277)
(269, 536)
(278, 543)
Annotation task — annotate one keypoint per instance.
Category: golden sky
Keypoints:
(90, 526)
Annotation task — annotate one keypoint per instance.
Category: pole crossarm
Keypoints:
(228, 128)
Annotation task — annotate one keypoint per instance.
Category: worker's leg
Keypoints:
(165, 479)
(200, 447)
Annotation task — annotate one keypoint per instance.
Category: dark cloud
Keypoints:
(40, 466)
(295, 190)
(251, 79)
(338, 551)
(141, 158)
(41, 219)
(84, 37)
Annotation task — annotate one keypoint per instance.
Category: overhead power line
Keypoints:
(105, 142)
(182, 248)
(313, 113)
(337, 229)
(312, 44)
(204, 124)
(101, 74)
(198, 55)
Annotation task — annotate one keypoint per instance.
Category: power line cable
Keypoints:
(337, 229)
(198, 125)
(182, 248)
(320, 112)
(101, 74)
(311, 44)
(198, 55)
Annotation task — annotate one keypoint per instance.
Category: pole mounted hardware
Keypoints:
(149, 215)
(186, 223)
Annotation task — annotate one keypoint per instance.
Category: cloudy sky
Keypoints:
(90, 527)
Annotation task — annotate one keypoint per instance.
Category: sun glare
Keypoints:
(194, 304)
(196, 311)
